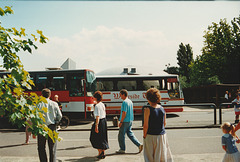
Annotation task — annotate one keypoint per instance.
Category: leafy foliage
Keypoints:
(220, 54)
(18, 106)
(185, 58)
(219, 62)
(171, 69)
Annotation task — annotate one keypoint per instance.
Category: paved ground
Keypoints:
(186, 145)
(201, 117)
(124, 158)
(189, 133)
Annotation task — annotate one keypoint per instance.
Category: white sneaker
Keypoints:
(58, 127)
(120, 152)
(140, 148)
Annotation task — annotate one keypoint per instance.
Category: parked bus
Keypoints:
(75, 89)
(171, 95)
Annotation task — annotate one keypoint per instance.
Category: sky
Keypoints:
(100, 35)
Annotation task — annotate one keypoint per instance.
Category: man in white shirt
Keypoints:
(52, 118)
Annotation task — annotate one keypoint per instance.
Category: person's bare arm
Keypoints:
(224, 147)
(237, 127)
(96, 124)
(122, 119)
(165, 120)
(145, 124)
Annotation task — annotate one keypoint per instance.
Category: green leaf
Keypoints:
(2, 112)
(18, 91)
(13, 117)
(23, 32)
(15, 31)
(2, 12)
(8, 10)
(14, 101)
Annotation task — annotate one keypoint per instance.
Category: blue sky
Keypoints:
(107, 34)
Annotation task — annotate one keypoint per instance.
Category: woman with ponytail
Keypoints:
(229, 140)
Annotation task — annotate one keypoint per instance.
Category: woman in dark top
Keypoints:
(156, 147)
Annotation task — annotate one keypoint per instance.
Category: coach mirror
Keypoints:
(83, 81)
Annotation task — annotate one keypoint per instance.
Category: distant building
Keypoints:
(132, 70)
(69, 64)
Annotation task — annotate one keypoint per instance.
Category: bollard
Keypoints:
(115, 121)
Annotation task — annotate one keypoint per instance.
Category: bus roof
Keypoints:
(52, 71)
(62, 70)
(136, 76)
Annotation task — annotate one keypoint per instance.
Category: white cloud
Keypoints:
(105, 47)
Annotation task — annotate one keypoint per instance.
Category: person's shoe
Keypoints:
(101, 156)
(140, 148)
(120, 152)
(26, 143)
(58, 127)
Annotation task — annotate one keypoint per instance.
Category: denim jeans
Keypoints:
(126, 128)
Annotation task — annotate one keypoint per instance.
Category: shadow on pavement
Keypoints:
(84, 159)
(8, 146)
(73, 148)
(114, 154)
(91, 159)
(75, 122)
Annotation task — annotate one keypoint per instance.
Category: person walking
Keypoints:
(236, 103)
(125, 125)
(52, 117)
(99, 136)
(226, 97)
(55, 98)
(156, 146)
(28, 133)
(229, 140)
(58, 102)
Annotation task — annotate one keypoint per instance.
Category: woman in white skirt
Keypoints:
(229, 140)
(156, 147)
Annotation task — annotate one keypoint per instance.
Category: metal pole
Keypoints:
(220, 110)
(220, 114)
(206, 104)
(197, 104)
(215, 115)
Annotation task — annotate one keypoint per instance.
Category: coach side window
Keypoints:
(41, 82)
(75, 88)
(130, 85)
(105, 85)
(58, 83)
(151, 84)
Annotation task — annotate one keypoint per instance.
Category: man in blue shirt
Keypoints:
(125, 125)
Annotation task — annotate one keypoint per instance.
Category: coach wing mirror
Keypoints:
(83, 81)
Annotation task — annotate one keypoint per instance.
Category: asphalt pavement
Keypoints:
(191, 118)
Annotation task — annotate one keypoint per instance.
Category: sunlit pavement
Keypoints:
(192, 138)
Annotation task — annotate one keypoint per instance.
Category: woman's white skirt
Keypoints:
(235, 157)
(156, 149)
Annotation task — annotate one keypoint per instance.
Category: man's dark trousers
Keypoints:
(51, 145)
